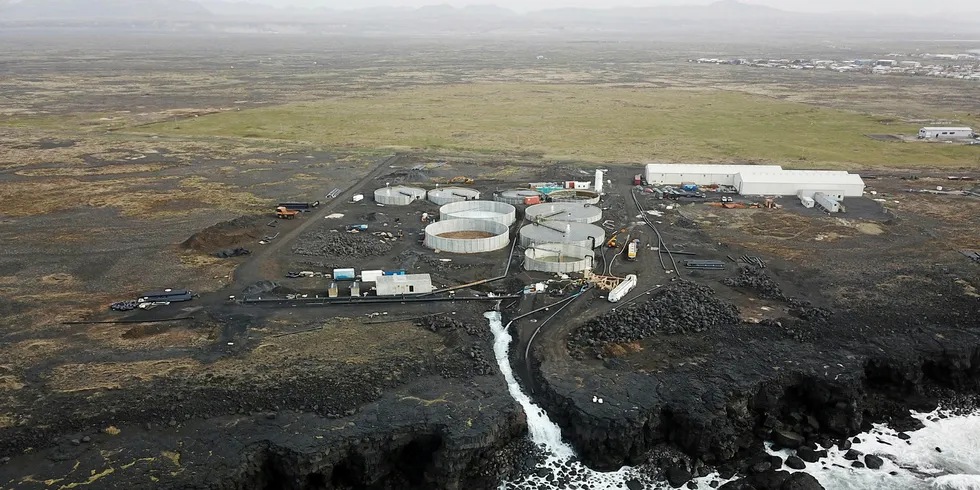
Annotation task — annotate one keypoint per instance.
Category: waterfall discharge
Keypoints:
(944, 455)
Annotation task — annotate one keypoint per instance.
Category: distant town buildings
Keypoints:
(965, 66)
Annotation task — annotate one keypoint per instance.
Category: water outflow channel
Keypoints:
(559, 465)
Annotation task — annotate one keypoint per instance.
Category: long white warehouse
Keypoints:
(792, 182)
(681, 173)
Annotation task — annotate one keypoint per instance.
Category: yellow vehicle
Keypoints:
(460, 180)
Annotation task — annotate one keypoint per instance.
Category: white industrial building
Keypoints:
(759, 180)
(403, 284)
(678, 173)
(792, 182)
(941, 133)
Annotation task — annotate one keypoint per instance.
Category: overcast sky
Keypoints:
(883, 6)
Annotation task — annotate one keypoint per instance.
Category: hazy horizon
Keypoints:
(870, 6)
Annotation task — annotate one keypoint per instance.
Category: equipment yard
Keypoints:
(317, 315)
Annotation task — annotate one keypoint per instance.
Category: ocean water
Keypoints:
(914, 464)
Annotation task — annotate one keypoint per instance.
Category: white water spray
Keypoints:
(547, 435)
(913, 464)
(916, 463)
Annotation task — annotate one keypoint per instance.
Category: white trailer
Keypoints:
(806, 201)
(946, 133)
(624, 287)
(826, 203)
(838, 194)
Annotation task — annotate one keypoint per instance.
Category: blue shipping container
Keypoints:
(343, 274)
(689, 187)
(395, 273)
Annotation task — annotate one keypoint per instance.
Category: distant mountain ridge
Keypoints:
(720, 19)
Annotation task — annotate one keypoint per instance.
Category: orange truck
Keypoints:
(282, 212)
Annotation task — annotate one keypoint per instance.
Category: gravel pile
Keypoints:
(466, 362)
(681, 307)
(443, 323)
(750, 276)
(339, 244)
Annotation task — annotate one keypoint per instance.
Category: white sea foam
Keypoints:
(913, 464)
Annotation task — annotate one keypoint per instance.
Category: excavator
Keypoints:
(460, 180)
(611, 243)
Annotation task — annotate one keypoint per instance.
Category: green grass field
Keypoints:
(592, 123)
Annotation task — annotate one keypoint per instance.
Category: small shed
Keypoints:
(403, 284)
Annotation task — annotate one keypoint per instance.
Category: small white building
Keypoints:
(946, 133)
(791, 182)
(677, 173)
(396, 285)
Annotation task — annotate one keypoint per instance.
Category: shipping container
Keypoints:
(355, 289)
(371, 276)
(637, 179)
(395, 273)
(357, 197)
(357, 227)
(532, 200)
(806, 201)
(299, 206)
(346, 274)
(826, 203)
(332, 290)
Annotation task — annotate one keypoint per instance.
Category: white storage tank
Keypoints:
(446, 195)
(558, 258)
(467, 235)
(580, 234)
(564, 211)
(500, 212)
(398, 195)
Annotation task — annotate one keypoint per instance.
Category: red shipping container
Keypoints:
(532, 200)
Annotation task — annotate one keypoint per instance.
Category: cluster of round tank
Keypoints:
(558, 258)
(479, 210)
(398, 195)
(467, 235)
(446, 195)
(516, 197)
(564, 211)
(565, 232)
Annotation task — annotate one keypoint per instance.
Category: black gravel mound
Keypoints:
(752, 277)
(340, 244)
(682, 307)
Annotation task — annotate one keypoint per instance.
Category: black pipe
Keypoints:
(374, 300)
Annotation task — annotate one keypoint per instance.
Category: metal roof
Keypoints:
(810, 177)
(686, 168)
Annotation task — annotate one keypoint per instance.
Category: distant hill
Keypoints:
(76, 10)
(728, 20)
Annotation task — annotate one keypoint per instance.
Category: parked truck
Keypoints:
(282, 212)
(633, 249)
